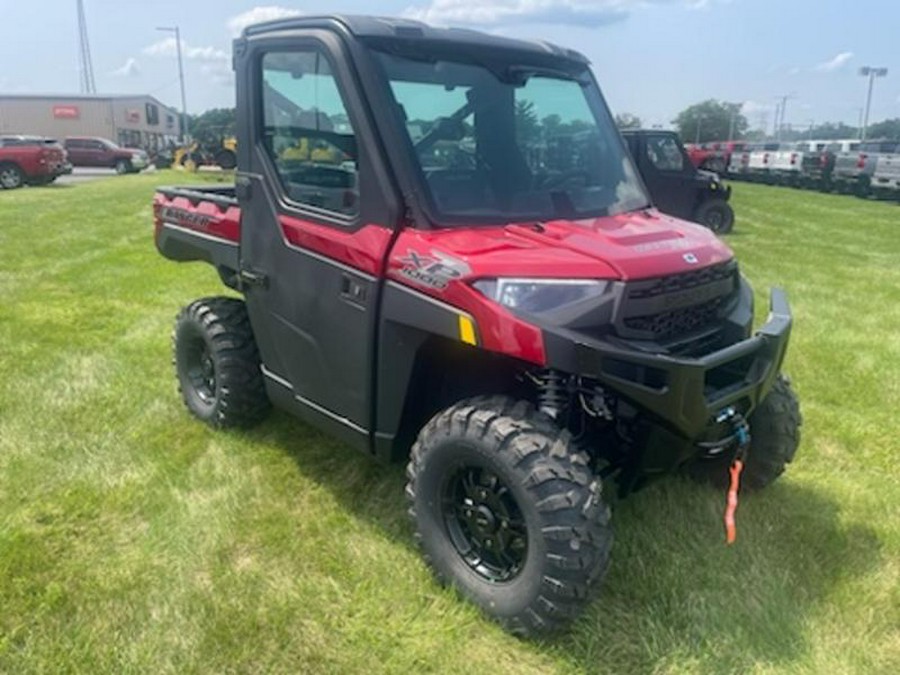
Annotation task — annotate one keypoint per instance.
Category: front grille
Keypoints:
(680, 282)
(665, 325)
(682, 305)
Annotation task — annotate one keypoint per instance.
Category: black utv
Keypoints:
(675, 185)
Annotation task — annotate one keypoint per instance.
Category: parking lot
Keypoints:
(85, 175)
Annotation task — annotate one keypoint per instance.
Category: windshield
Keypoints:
(527, 147)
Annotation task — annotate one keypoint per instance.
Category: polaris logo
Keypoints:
(690, 258)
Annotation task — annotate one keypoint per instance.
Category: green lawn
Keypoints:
(134, 539)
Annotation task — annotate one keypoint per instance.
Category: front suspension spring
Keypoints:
(553, 393)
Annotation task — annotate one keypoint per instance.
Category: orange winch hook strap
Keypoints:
(732, 504)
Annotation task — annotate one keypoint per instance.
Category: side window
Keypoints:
(663, 152)
(152, 114)
(307, 132)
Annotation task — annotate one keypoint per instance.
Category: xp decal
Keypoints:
(434, 270)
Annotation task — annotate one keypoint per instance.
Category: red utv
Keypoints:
(434, 265)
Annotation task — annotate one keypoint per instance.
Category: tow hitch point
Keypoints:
(742, 437)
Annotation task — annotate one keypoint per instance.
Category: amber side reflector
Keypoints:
(467, 330)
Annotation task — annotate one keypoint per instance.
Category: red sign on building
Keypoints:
(133, 116)
(66, 112)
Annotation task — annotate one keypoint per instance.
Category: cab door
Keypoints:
(668, 174)
(77, 151)
(318, 216)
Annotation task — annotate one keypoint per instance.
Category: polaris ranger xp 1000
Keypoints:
(442, 254)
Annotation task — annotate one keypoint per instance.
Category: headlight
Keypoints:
(539, 295)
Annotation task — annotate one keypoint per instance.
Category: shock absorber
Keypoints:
(552, 394)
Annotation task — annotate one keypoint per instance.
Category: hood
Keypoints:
(627, 246)
(706, 176)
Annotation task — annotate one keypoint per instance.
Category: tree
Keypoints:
(833, 131)
(889, 129)
(528, 129)
(711, 120)
(210, 127)
(628, 121)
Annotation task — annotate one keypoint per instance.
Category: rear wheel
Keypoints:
(716, 214)
(218, 365)
(507, 511)
(774, 437)
(226, 159)
(11, 176)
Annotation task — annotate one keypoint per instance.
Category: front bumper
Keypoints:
(684, 394)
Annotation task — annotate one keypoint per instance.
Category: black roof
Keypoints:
(410, 30)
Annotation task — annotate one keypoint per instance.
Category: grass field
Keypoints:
(134, 539)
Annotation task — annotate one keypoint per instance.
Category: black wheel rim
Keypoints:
(714, 220)
(485, 524)
(201, 370)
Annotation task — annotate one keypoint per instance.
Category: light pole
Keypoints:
(734, 113)
(184, 117)
(697, 139)
(779, 114)
(871, 73)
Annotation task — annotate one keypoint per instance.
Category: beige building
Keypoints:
(132, 121)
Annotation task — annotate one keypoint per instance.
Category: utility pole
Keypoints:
(871, 73)
(87, 84)
(779, 120)
(775, 123)
(697, 139)
(185, 132)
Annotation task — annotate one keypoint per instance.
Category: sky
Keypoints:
(652, 58)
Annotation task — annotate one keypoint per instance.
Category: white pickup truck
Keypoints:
(759, 162)
(886, 178)
(854, 170)
(786, 163)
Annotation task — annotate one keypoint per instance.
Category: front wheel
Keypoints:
(507, 511)
(11, 177)
(218, 365)
(774, 438)
(123, 166)
(717, 215)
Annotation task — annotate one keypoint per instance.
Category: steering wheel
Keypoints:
(565, 178)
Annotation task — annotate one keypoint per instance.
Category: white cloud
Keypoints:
(130, 69)
(259, 14)
(168, 47)
(218, 73)
(835, 63)
(588, 13)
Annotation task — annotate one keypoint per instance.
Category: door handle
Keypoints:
(252, 278)
(352, 289)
